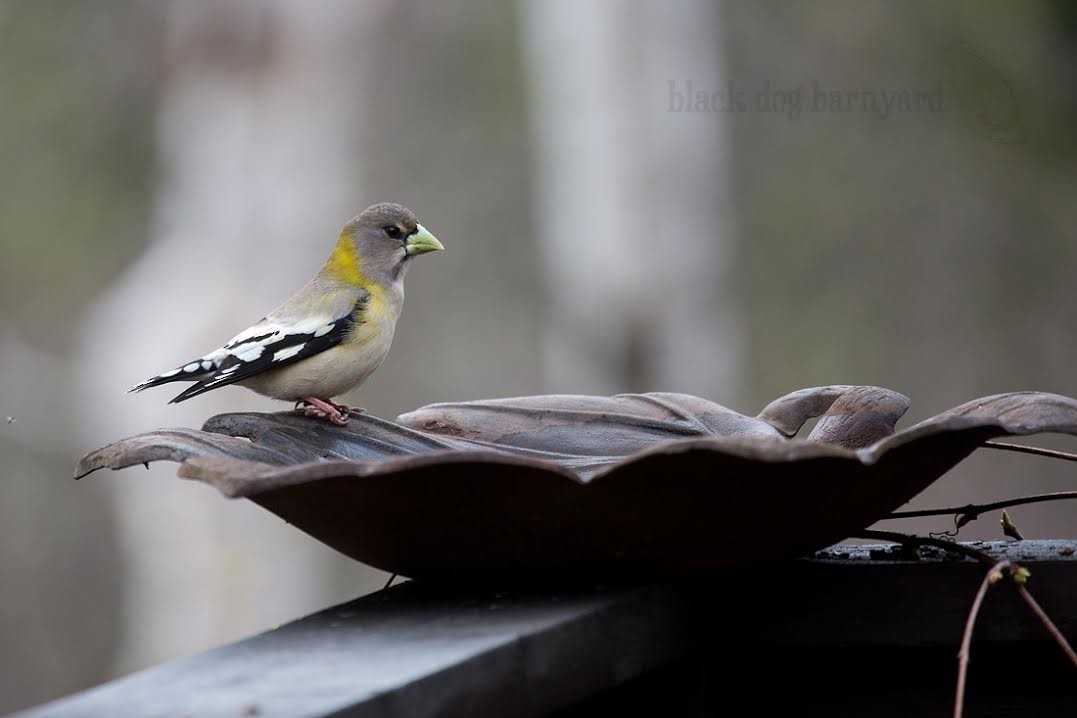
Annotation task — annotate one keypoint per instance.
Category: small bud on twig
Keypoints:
(1008, 527)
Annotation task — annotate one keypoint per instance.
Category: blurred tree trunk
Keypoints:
(637, 267)
(258, 166)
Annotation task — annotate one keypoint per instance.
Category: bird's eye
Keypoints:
(393, 231)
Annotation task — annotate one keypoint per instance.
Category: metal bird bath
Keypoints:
(557, 487)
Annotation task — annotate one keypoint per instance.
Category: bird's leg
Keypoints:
(322, 409)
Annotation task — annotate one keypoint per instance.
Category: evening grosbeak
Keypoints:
(333, 333)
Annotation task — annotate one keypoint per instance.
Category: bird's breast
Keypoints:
(325, 375)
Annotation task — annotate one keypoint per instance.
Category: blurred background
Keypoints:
(732, 199)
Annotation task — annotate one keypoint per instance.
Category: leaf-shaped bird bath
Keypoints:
(563, 486)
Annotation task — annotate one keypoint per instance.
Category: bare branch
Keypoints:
(1022, 449)
(1048, 624)
(974, 510)
(990, 579)
(910, 540)
(1018, 574)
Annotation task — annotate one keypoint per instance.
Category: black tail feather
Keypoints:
(193, 390)
(177, 374)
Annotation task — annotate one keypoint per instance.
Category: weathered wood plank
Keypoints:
(414, 651)
(431, 650)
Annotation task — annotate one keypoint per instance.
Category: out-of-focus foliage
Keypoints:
(919, 248)
(76, 82)
(77, 93)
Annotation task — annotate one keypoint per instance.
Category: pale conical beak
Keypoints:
(422, 242)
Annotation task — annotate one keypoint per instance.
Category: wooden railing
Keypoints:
(853, 631)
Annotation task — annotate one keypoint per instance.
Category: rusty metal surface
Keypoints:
(563, 486)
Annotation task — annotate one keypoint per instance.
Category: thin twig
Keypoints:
(907, 539)
(1048, 624)
(1022, 449)
(990, 579)
(970, 512)
(977, 509)
(1019, 574)
(389, 582)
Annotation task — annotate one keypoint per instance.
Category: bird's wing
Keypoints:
(269, 344)
(290, 334)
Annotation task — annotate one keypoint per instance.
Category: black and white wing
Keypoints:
(268, 344)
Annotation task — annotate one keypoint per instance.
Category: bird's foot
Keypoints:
(345, 409)
(325, 409)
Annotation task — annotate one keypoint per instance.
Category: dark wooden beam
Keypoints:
(434, 650)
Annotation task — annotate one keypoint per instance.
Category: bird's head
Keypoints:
(384, 238)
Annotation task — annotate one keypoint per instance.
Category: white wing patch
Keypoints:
(272, 342)
(249, 345)
(249, 351)
(288, 352)
(270, 331)
(269, 343)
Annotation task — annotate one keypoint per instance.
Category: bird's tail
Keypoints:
(194, 370)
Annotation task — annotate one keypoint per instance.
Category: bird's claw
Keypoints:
(334, 416)
(326, 409)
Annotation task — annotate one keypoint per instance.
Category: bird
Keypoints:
(331, 335)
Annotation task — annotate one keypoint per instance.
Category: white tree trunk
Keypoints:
(259, 167)
(631, 201)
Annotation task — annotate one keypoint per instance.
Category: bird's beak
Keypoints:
(422, 242)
